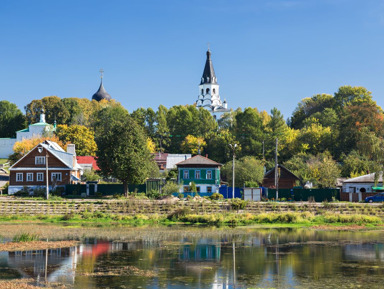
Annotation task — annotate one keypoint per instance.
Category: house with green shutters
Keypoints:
(204, 172)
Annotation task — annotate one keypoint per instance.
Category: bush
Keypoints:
(238, 204)
(152, 194)
(25, 237)
(180, 196)
(170, 188)
(178, 214)
(216, 196)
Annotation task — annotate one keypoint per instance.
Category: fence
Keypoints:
(104, 189)
(319, 195)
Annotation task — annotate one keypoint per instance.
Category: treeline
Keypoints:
(327, 136)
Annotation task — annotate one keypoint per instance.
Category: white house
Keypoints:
(358, 188)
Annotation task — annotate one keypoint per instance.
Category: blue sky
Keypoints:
(265, 53)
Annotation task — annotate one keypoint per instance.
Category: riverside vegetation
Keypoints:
(236, 212)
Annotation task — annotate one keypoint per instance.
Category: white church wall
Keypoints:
(6, 147)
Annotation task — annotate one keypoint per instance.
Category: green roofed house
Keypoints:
(204, 172)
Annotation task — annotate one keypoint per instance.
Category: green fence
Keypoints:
(104, 189)
(319, 195)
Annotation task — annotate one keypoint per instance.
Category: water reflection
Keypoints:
(256, 258)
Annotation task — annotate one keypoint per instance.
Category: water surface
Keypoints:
(209, 258)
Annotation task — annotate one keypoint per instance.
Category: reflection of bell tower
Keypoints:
(209, 96)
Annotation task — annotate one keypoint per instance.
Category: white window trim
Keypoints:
(17, 177)
(186, 173)
(39, 163)
(27, 177)
(42, 177)
(197, 172)
(58, 179)
(209, 178)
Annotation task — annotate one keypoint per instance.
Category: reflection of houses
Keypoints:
(357, 189)
(203, 251)
(364, 252)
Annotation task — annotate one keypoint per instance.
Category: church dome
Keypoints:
(101, 93)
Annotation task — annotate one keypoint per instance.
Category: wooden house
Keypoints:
(46, 158)
(287, 179)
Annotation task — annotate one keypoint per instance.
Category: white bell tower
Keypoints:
(209, 94)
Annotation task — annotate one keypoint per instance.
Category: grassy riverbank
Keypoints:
(135, 211)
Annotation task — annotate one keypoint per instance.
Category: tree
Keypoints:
(218, 147)
(20, 148)
(11, 119)
(53, 107)
(193, 145)
(81, 136)
(249, 132)
(122, 147)
(247, 169)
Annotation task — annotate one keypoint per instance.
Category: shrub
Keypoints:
(25, 237)
(216, 196)
(170, 188)
(180, 196)
(152, 194)
(238, 204)
(178, 214)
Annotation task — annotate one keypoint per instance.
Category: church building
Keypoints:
(209, 96)
(101, 93)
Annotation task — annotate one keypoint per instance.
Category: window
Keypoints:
(214, 91)
(39, 160)
(29, 177)
(187, 189)
(209, 175)
(40, 177)
(55, 177)
(19, 177)
(186, 174)
(198, 189)
(202, 91)
(207, 91)
(197, 175)
(209, 189)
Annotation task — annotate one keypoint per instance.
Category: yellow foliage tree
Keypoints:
(81, 136)
(192, 144)
(151, 145)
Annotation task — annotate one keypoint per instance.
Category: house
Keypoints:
(204, 172)
(32, 131)
(167, 161)
(287, 179)
(47, 157)
(357, 189)
(87, 163)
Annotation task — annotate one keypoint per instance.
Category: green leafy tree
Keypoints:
(122, 147)
(53, 107)
(11, 119)
(247, 169)
(218, 147)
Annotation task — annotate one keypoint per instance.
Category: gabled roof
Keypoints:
(208, 73)
(267, 174)
(198, 160)
(370, 178)
(57, 151)
(88, 160)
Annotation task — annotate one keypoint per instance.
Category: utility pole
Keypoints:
(233, 147)
(276, 172)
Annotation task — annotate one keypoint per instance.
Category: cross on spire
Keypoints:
(209, 44)
(101, 73)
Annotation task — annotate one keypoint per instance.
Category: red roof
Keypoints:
(88, 160)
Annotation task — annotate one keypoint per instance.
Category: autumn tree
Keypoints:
(81, 136)
(193, 145)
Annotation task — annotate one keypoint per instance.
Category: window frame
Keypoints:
(37, 177)
(19, 179)
(186, 174)
(209, 189)
(209, 174)
(27, 177)
(197, 174)
(57, 179)
(42, 158)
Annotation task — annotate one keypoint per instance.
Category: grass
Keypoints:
(26, 237)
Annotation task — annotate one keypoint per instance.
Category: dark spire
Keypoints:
(209, 73)
(101, 93)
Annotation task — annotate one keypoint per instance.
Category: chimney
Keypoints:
(71, 149)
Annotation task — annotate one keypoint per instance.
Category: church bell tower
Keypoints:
(209, 96)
